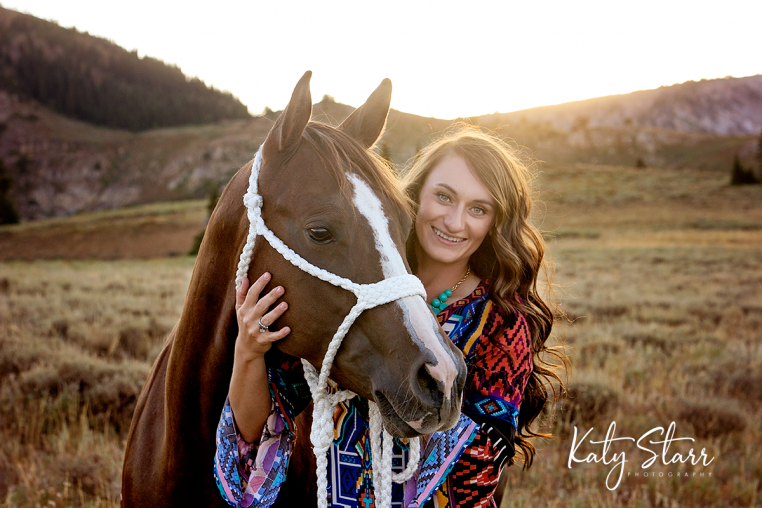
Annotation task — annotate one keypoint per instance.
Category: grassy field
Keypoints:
(141, 232)
(76, 342)
(660, 272)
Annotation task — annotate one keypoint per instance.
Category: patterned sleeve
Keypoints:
(499, 366)
(250, 475)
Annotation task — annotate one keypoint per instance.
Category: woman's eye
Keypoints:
(443, 197)
(320, 235)
(478, 211)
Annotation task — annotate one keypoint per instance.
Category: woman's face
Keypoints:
(455, 213)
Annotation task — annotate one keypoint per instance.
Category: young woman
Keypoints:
(479, 258)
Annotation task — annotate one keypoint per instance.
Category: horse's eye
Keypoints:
(320, 235)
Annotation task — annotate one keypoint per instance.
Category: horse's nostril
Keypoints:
(429, 388)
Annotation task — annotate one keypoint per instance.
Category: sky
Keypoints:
(445, 59)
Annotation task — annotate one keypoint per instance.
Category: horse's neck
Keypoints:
(201, 362)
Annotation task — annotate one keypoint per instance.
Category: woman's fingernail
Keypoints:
(279, 289)
(283, 305)
(288, 330)
(265, 276)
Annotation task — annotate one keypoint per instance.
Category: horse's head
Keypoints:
(331, 201)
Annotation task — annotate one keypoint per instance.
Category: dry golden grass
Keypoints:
(660, 272)
(659, 334)
(76, 342)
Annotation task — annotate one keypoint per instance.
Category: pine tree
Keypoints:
(94, 80)
(8, 212)
(741, 175)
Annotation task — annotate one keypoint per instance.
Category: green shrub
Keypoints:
(741, 175)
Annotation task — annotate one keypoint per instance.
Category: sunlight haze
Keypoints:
(444, 59)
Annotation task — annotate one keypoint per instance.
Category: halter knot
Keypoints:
(388, 290)
(253, 202)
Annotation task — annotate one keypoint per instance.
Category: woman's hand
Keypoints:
(249, 394)
(251, 310)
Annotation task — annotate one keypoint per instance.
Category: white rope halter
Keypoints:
(368, 296)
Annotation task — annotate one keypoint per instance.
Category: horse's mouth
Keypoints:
(399, 427)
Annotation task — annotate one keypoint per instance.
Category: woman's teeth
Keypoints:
(450, 238)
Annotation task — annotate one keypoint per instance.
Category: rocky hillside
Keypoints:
(728, 107)
(61, 166)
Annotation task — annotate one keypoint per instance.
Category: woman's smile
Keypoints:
(455, 214)
(447, 238)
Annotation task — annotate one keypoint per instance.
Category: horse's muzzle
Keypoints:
(424, 405)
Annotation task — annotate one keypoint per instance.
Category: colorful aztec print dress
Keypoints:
(459, 467)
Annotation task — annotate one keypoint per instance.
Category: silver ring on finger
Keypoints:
(262, 327)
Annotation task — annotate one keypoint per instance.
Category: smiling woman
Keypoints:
(455, 213)
(473, 203)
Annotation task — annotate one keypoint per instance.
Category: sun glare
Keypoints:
(444, 59)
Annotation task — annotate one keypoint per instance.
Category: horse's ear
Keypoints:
(288, 128)
(367, 122)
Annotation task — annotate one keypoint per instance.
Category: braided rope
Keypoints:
(368, 296)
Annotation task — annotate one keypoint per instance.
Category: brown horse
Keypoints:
(394, 354)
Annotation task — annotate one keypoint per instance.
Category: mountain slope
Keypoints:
(62, 166)
(92, 79)
(51, 78)
(728, 107)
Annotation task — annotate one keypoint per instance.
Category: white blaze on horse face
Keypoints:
(419, 320)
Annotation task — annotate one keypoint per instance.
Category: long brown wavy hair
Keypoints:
(513, 257)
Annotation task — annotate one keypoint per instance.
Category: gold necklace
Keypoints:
(437, 304)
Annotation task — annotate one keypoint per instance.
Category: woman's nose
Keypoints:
(454, 220)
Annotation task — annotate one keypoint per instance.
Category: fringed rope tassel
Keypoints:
(381, 442)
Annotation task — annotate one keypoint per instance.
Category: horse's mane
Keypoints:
(342, 154)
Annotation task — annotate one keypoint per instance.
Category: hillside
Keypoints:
(61, 166)
(58, 84)
(94, 80)
(727, 107)
(595, 143)
(577, 203)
